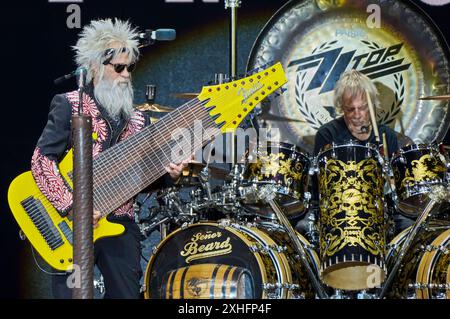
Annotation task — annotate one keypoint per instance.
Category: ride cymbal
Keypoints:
(186, 96)
(436, 97)
(155, 108)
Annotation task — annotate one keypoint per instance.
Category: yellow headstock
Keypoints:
(231, 102)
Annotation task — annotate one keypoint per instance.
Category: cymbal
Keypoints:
(185, 95)
(272, 117)
(154, 108)
(436, 97)
(194, 168)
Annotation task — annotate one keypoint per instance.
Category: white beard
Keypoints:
(116, 97)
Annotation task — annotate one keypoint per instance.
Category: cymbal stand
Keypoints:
(268, 195)
(233, 5)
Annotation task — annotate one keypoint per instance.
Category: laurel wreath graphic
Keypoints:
(316, 123)
(399, 96)
(303, 105)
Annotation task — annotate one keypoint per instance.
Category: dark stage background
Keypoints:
(35, 44)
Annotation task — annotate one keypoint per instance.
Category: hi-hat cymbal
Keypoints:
(194, 168)
(154, 108)
(436, 97)
(185, 95)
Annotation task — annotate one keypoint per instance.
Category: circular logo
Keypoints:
(393, 44)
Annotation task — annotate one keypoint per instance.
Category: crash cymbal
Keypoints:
(436, 97)
(186, 96)
(154, 108)
(194, 168)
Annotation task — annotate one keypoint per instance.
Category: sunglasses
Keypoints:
(118, 67)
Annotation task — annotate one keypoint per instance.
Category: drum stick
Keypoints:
(373, 118)
(385, 148)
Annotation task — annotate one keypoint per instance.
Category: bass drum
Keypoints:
(425, 271)
(228, 260)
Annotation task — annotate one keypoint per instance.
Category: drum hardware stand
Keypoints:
(233, 5)
(437, 195)
(146, 228)
(268, 195)
(163, 229)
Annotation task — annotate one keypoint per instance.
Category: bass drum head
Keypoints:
(393, 42)
(225, 261)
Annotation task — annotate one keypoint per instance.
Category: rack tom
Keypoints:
(417, 168)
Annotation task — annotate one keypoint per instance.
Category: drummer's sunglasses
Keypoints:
(118, 67)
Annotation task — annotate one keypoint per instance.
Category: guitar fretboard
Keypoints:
(124, 170)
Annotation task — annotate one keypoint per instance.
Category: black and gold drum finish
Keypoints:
(352, 223)
(425, 270)
(285, 167)
(223, 260)
(416, 169)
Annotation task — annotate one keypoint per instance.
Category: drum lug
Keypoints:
(269, 286)
(143, 288)
(279, 249)
(402, 159)
(258, 249)
(184, 226)
(428, 248)
(224, 223)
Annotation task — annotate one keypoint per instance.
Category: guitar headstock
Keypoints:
(230, 103)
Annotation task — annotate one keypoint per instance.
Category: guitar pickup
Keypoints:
(44, 224)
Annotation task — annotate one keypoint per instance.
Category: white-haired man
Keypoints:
(109, 51)
(350, 100)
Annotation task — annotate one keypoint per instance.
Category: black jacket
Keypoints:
(55, 142)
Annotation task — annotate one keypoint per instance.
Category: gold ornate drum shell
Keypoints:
(352, 226)
(416, 169)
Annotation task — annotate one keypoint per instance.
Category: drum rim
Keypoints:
(414, 147)
(350, 143)
(285, 145)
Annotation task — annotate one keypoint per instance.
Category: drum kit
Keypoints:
(238, 239)
(284, 224)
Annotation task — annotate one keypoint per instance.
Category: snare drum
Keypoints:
(416, 169)
(352, 224)
(228, 260)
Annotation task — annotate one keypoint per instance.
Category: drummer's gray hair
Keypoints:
(96, 38)
(351, 84)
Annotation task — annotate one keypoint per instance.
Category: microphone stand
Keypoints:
(83, 252)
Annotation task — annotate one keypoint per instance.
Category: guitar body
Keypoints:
(49, 233)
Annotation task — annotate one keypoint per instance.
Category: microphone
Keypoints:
(149, 37)
(77, 72)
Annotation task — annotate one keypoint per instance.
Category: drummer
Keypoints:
(354, 124)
